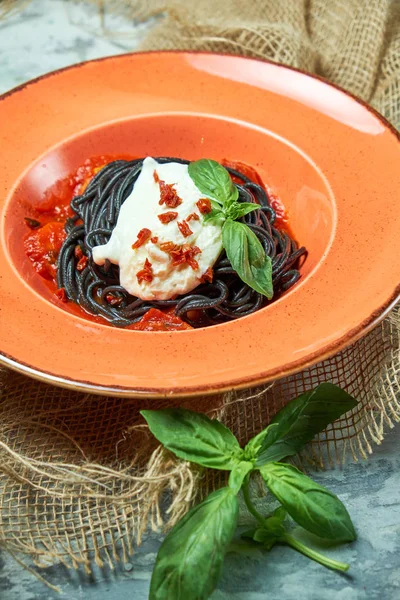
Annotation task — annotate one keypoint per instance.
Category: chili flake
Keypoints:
(142, 237)
(167, 217)
(145, 274)
(156, 177)
(204, 205)
(184, 229)
(192, 217)
(154, 239)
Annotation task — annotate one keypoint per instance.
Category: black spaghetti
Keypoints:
(97, 289)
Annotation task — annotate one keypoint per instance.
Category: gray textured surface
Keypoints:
(371, 492)
(50, 34)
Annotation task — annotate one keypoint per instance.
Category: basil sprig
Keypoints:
(243, 248)
(190, 559)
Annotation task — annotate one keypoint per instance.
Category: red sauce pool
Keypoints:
(45, 232)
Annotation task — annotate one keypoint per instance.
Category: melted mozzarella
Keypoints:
(140, 211)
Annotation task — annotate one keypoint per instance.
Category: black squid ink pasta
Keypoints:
(98, 291)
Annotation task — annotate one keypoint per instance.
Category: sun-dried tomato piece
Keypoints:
(61, 294)
(185, 255)
(184, 229)
(157, 320)
(42, 247)
(154, 239)
(167, 246)
(192, 217)
(168, 195)
(167, 217)
(204, 205)
(145, 274)
(142, 237)
(156, 177)
(114, 300)
(82, 263)
(207, 276)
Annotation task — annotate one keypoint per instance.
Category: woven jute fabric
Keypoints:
(81, 478)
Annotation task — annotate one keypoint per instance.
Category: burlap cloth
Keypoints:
(80, 477)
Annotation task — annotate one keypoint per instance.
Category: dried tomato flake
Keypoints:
(156, 177)
(78, 252)
(146, 274)
(154, 239)
(142, 237)
(114, 300)
(61, 294)
(204, 205)
(184, 229)
(167, 217)
(192, 217)
(207, 276)
(185, 255)
(192, 262)
(168, 195)
(167, 246)
(82, 263)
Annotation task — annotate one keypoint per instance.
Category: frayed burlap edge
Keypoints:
(76, 482)
(81, 479)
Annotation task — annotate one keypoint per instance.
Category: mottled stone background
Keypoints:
(50, 34)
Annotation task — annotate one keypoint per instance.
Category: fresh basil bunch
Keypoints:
(190, 560)
(242, 246)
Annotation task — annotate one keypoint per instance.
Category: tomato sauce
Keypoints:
(157, 320)
(282, 217)
(43, 241)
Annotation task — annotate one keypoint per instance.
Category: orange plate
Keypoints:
(333, 160)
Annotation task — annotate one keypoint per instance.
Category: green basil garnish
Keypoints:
(190, 559)
(243, 248)
(247, 257)
(213, 179)
(300, 420)
(194, 437)
(309, 504)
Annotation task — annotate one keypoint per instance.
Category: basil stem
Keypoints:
(313, 554)
(251, 508)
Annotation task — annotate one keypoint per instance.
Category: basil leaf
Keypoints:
(215, 205)
(190, 560)
(279, 514)
(309, 504)
(214, 216)
(238, 475)
(213, 179)
(247, 257)
(300, 420)
(239, 209)
(261, 536)
(194, 437)
(249, 534)
(254, 446)
(272, 532)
